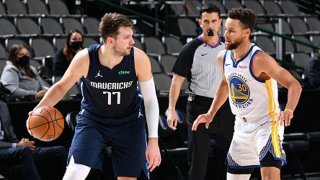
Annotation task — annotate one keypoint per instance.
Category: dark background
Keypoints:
(306, 119)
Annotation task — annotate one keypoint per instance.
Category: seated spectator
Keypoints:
(22, 159)
(64, 56)
(312, 72)
(19, 77)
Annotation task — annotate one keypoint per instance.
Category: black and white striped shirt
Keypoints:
(197, 62)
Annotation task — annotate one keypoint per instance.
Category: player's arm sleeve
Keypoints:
(151, 107)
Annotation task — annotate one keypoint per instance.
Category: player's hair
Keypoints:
(246, 17)
(111, 22)
(209, 8)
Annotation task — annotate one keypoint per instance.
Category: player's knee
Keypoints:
(238, 173)
(268, 173)
(76, 171)
(270, 177)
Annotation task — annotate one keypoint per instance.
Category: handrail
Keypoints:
(287, 37)
(282, 62)
(156, 20)
(132, 11)
(165, 29)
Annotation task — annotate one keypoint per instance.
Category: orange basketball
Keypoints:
(45, 123)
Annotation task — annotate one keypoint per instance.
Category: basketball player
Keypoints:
(197, 63)
(110, 110)
(250, 80)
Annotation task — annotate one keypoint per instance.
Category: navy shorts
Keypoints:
(128, 141)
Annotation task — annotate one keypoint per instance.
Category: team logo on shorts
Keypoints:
(240, 91)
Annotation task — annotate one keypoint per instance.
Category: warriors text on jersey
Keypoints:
(109, 93)
(249, 97)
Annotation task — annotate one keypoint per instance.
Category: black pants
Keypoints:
(45, 163)
(200, 141)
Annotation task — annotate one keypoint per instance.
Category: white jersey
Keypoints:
(249, 97)
(255, 104)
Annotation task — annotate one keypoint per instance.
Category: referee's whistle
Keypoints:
(210, 32)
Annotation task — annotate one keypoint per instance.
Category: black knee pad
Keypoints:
(240, 170)
(270, 161)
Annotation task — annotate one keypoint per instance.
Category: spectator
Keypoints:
(64, 56)
(312, 72)
(20, 77)
(25, 155)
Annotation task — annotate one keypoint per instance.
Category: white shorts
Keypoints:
(252, 140)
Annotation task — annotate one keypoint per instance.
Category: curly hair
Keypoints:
(246, 16)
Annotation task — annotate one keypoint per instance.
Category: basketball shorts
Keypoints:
(128, 142)
(252, 140)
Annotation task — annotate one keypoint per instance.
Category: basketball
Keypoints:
(45, 123)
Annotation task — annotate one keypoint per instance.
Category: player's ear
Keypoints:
(199, 22)
(247, 32)
(220, 21)
(110, 40)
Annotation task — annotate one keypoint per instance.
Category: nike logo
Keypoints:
(227, 64)
(98, 74)
(203, 54)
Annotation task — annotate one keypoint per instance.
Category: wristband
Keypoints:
(288, 110)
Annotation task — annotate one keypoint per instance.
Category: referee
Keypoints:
(197, 63)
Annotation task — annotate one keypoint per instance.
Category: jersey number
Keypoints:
(242, 87)
(109, 94)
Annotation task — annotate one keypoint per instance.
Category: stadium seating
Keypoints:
(44, 24)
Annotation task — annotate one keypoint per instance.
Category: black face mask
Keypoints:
(24, 61)
(76, 45)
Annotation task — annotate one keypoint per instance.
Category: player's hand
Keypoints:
(202, 118)
(172, 119)
(284, 118)
(153, 154)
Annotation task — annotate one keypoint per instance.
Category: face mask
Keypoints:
(24, 60)
(76, 45)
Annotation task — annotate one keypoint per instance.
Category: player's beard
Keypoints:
(234, 45)
(122, 52)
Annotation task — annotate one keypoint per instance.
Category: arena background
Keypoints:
(287, 30)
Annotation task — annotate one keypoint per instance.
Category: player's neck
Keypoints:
(108, 57)
(241, 50)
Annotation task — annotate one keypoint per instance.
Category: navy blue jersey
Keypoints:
(109, 93)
